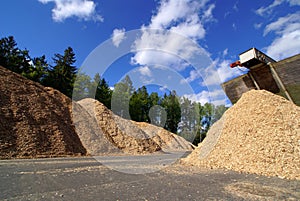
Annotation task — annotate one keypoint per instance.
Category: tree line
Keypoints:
(179, 115)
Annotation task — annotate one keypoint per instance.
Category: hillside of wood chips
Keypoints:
(260, 134)
(168, 141)
(35, 121)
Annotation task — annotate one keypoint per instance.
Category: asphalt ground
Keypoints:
(133, 178)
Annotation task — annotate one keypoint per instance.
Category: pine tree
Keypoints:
(140, 105)
(172, 107)
(63, 74)
(121, 97)
(38, 70)
(13, 58)
(103, 92)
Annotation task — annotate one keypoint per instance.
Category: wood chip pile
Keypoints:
(260, 134)
(35, 121)
(169, 142)
(121, 133)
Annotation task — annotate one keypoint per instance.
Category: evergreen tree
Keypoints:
(121, 97)
(103, 92)
(190, 121)
(38, 70)
(13, 58)
(139, 105)
(82, 86)
(172, 107)
(63, 74)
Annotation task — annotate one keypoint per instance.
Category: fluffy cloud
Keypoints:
(164, 36)
(216, 97)
(215, 74)
(118, 36)
(145, 70)
(287, 42)
(82, 9)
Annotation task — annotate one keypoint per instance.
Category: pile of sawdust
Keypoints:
(34, 121)
(121, 133)
(169, 142)
(259, 134)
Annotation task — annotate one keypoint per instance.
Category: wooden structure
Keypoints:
(282, 77)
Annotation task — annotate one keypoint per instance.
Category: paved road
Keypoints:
(88, 179)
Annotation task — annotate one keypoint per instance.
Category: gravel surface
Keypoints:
(87, 179)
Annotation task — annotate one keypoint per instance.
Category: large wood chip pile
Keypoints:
(35, 121)
(259, 134)
(121, 133)
(169, 142)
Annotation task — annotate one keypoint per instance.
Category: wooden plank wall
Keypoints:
(288, 70)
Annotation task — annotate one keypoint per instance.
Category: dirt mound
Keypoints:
(34, 121)
(259, 134)
(166, 140)
(121, 133)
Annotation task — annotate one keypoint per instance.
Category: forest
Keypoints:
(179, 115)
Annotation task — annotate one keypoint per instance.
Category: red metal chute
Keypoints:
(235, 64)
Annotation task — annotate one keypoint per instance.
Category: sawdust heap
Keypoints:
(121, 133)
(260, 134)
(35, 121)
(168, 141)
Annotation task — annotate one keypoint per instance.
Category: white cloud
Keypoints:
(287, 42)
(82, 9)
(173, 21)
(145, 70)
(216, 97)
(285, 46)
(118, 36)
(285, 24)
(225, 52)
(167, 49)
(294, 2)
(163, 88)
(267, 10)
(258, 25)
(262, 11)
(220, 72)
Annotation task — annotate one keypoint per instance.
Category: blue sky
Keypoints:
(219, 29)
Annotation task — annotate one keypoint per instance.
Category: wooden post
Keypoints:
(278, 80)
(254, 81)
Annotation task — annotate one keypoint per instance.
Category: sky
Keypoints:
(182, 45)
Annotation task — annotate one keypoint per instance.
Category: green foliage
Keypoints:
(139, 105)
(38, 70)
(63, 74)
(13, 58)
(121, 97)
(82, 87)
(172, 107)
(103, 92)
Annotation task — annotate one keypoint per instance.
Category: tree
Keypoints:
(82, 86)
(121, 97)
(139, 105)
(190, 121)
(103, 92)
(13, 58)
(38, 70)
(157, 113)
(172, 107)
(218, 112)
(63, 74)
